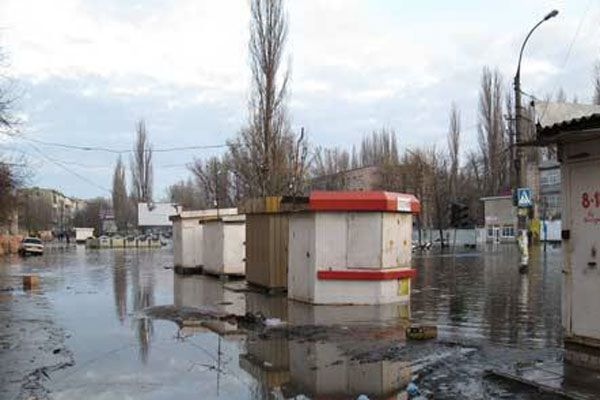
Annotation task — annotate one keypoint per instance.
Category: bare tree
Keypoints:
(418, 182)
(267, 157)
(7, 116)
(187, 194)
(141, 166)
(89, 216)
(491, 135)
(328, 168)
(13, 173)
(438, 166)
(35, 210)
(454, 148)
(120, 200)
(596, 97)
(379, 148)
(215, 180)
(561, 96)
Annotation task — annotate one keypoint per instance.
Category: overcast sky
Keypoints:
(85, 71)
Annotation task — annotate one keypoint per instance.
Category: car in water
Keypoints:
(31, 246)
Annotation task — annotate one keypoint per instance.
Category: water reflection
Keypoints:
(142, 294)
(329, 366)
(479, 297)
(119, 271)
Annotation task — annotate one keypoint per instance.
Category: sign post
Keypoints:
(524, 203)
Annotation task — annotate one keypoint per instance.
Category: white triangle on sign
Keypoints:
(524, 199)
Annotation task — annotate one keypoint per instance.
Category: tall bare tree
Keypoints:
(491, 135)
(438, 166)
(120, 200)
(267, 157)
(379, 148)
(454, 148)
(141, 166)
(596, 98)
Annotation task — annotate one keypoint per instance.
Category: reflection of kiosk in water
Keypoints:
(201, 291)
(267, 360)
(323, 369)
(345, 364)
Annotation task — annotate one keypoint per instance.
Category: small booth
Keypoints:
(578, 143)
(352, 248)
(82, 234)
(188, 239)
(224, 245)
(266, 242)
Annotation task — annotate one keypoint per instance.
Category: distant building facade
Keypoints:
(549, 207)
(47, 209)
(500, 218)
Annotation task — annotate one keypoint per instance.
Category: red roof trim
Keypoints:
(363, 201)
(366, 274)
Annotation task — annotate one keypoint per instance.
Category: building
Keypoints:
(47, 209)
(549, 206)
(500, 218)
(576, 133)
(155, 216)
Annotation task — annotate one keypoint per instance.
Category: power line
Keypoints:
(110, 150)
(61, 165)
(568, 53)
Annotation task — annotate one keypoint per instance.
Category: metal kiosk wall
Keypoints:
(266, 242)
(188, 238)
(224, 250)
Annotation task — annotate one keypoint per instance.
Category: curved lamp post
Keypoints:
(519, 181)
(518, 116)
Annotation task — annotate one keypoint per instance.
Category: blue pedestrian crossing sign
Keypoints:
(524, 198)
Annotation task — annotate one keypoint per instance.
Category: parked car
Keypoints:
(31, 245)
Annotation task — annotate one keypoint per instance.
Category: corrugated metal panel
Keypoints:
(266, 249)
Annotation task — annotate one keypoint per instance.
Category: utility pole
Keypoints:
(519, 162)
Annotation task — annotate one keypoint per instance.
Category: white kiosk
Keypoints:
(188, 238)
(578, 142)
(352, 248)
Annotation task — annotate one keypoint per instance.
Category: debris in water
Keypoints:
(412, 389)
(273, 322)
(421, 332)
(31, 282)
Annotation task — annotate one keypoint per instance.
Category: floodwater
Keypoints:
(84, 332)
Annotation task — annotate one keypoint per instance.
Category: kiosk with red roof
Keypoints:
(352, 248)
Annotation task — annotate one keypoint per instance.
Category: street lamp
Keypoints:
(518, 161)
(518, 116)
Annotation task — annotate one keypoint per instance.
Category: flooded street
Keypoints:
(95, 330)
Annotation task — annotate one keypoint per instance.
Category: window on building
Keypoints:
(550, 178)
(490, 232)
(508, 231)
